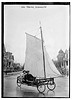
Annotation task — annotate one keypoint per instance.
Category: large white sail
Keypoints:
(34, 59)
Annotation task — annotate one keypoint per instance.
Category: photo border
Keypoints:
(2, 38)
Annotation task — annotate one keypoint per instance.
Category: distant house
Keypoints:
(63, 58)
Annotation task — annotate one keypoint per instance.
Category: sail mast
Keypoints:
(43, 52)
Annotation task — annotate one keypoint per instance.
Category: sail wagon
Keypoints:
(39, 64)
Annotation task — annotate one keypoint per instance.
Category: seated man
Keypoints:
(29, 77)
(22, 75)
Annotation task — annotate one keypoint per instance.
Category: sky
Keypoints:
(20, 19)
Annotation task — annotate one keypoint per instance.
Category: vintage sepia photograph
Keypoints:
(36, 49)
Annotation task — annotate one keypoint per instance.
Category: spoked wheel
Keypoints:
(51, 86)
(19, 82)
(41, 88)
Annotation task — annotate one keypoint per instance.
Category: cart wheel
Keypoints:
(51, 86)
(41, 88)
(19, 82)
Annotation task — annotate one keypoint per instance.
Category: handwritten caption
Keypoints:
(33, 6)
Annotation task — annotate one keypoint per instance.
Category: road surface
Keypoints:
(12, 90)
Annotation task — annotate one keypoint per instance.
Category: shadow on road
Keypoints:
(50, 93)
(31, 93)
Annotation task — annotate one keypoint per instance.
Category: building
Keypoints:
(63, 60)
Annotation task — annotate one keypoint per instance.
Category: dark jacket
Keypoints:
(29, 77)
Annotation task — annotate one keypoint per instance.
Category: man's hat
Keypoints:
(24, 71)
